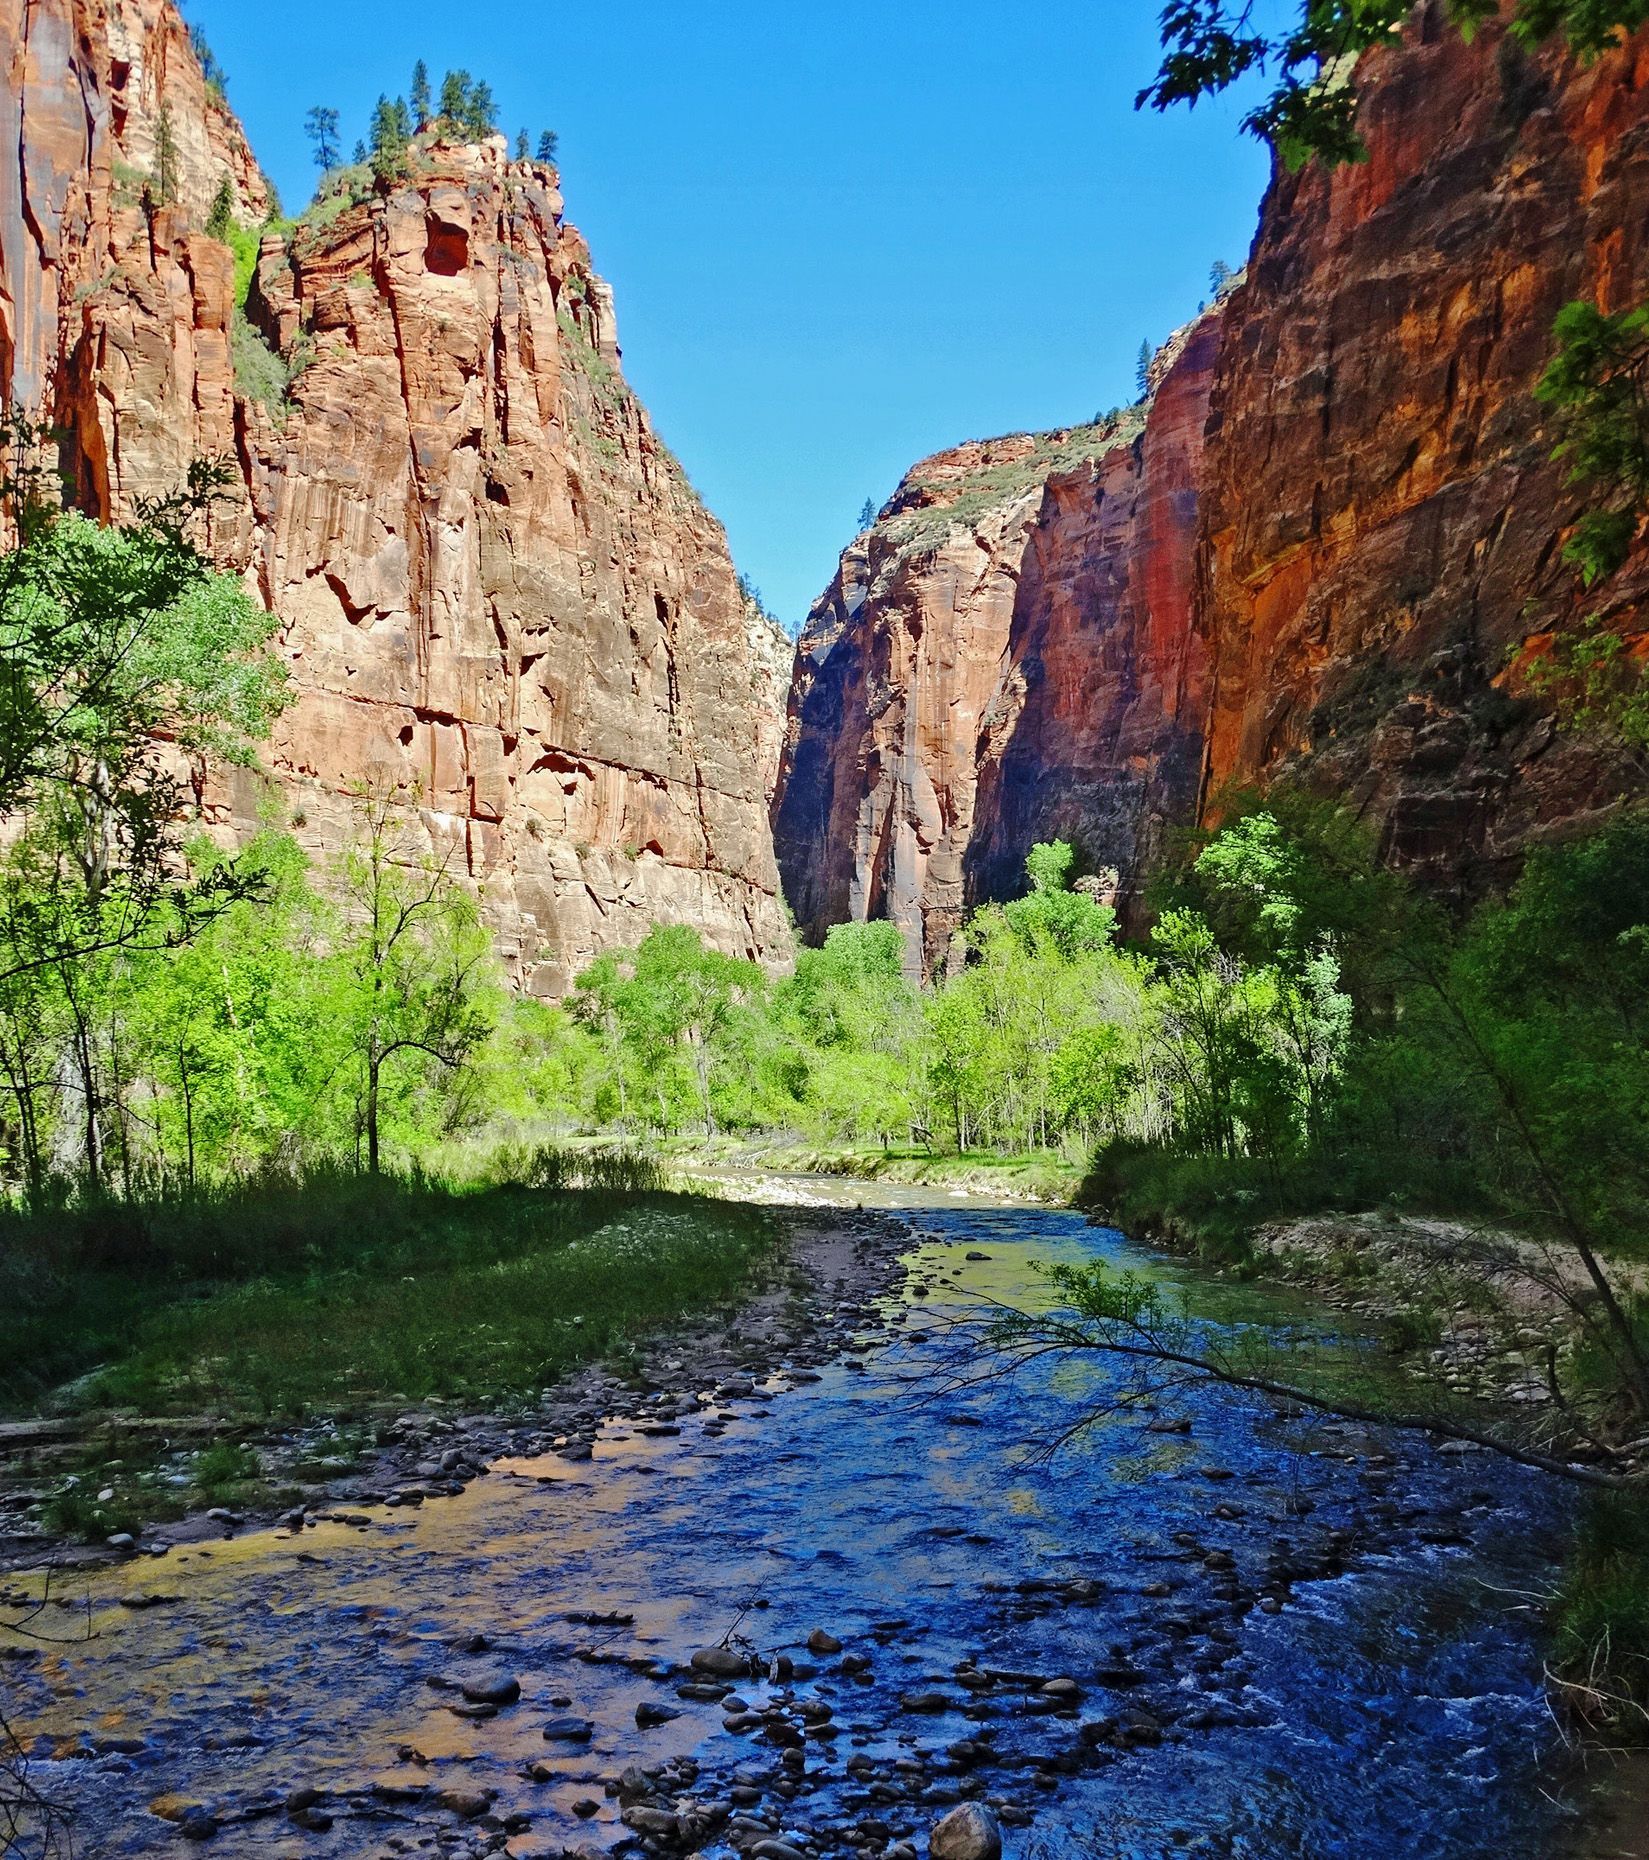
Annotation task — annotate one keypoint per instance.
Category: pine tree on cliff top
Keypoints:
(419, 97)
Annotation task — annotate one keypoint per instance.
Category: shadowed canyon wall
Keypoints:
(1320, 561)
(1003, 657)
(497, 590)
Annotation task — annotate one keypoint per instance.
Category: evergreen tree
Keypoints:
(222, 214)
(455, 93)
(420, 97)
(165, 157)
(1142, 370)
(548, 143)
(522, 145)
(483, 111)
(321, 127)
(867, 513)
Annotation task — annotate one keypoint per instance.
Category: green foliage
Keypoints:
(166, 157)
(389, 137)
(1596, 384)
(1310, 111)
(467, 106)
(548, 145)
(217, 80)
(1600, 1619)
(418, 96)
(221, 215)
(320, 124)
(262, 373)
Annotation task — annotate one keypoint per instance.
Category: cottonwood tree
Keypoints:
(414, 961)
(127, 666)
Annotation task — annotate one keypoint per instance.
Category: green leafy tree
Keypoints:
(1142, 370)
(1052, 911)
(418, 97)
(548, 143)
(414, 963)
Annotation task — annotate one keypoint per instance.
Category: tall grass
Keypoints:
(330, 1289)
(1600, 1621)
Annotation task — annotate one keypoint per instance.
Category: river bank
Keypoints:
(828, 1269)
(818, 1615)
(1044, 1177)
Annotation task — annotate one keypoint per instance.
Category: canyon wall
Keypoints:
(1382, 519)
(1323, 560)
(1003, 657)
(498, 594)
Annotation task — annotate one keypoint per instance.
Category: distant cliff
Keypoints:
(1320, 559)
(497, 589)
(1003, 657)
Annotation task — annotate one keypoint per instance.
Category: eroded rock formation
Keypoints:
(1002, 658)
(1325, 559)
(1383, 521)
(497, 590)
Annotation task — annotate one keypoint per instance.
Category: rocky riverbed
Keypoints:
(785, 1590)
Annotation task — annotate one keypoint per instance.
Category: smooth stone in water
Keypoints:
(970, 1832)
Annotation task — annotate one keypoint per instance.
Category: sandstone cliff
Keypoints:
(1004, 657)
(497, 590)
(1324, 559)
(1382, 519)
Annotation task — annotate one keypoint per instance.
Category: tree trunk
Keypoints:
(372, 1117)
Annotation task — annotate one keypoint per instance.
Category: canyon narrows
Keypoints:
(1312, 555)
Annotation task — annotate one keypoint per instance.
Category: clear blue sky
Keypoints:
(841, 235)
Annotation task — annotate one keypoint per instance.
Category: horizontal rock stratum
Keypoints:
(498, 591)
(1317, 553)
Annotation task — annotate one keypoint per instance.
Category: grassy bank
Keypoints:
(330, 1291)
(1212, 1205)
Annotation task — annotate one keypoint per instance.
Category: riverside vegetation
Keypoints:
(276, 1133)
(218, 1072)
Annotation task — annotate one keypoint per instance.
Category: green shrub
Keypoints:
(1600, 1618)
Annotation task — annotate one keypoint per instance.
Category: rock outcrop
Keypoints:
(1326, 559)
(1005, 656)
(499, 595)
(1383, 521)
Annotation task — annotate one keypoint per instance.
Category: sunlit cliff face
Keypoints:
(499, 593)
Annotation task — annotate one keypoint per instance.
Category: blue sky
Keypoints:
(841, 235)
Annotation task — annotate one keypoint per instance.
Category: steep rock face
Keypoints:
(1097, 733)
(1006, 655)
(1382, 518)
(498, 593)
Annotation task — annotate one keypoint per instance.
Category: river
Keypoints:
(1286, 1638)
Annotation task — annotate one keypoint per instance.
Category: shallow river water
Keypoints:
(1389, 1707)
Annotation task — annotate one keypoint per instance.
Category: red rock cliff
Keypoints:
(1004, 657)
(1324, 580)
(1382, 518)
(496, 587)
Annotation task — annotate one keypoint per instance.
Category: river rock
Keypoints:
(496, 1689)
(821, 1642)
(722, 1661)
(568, 1731)
(969, 1832)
